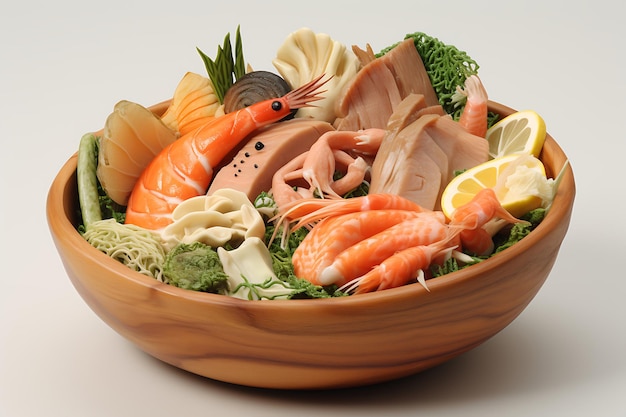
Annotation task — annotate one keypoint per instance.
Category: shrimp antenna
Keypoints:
(307, 93)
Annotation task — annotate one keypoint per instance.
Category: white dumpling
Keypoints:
(225, 216)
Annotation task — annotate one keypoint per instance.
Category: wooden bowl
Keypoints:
(313, 344)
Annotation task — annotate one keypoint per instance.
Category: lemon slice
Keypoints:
(519, 181)
(520, 132)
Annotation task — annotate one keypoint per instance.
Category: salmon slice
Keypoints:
(381, 85)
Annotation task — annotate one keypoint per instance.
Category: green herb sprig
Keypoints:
(225, 70)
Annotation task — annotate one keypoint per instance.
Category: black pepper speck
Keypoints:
(256, 165)
(247, 154)
(258, 146)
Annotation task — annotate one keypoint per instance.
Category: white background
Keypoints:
(63, 65)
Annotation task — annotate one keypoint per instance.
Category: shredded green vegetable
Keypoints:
(195, 266)
(520, 230)
(447, 68)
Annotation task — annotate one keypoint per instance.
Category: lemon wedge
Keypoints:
(520, 132)
(519, 181)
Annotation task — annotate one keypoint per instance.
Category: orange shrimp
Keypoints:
(334, 235)
(319, 166)
(474, 115)
(184, 168)
(471, 217)
(311, 210)
(363, 256)
(400, 268)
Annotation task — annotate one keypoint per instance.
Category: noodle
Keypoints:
(135, 247)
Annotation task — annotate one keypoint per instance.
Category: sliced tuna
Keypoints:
(421, 152)
(379, 87)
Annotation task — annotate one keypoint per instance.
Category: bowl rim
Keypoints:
(56, 210)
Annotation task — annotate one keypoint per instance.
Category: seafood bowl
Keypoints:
(320, 343)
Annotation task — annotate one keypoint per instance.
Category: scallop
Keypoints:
(131, 138)
(253, 87)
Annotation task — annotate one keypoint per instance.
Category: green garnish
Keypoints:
(447, 68)
(281, 249)
(94, 203)
(521, 230)
(87, 181)
(224, 70)
(195, 266)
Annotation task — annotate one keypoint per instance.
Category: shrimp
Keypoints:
(312, 210)
(363, 245)
(399, 269)
(315, 258)
(319, 166)
(360, 258)
(483, 209)
(312, 172)
(474, 115)
(283, 193)
(184, 168)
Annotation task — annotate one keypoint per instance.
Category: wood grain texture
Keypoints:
(313, 344)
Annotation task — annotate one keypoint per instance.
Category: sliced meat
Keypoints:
(379, 87)
(405, 113)
(407, 67)
(436, 109)
(253, 166)
(370, 100)
(365, 56)
(410, 109)
(464, 149)
(411, 164)
(421, 152)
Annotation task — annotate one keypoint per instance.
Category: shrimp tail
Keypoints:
(307, 93)
(474, 115)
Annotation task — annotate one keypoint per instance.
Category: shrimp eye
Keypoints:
(277, 105)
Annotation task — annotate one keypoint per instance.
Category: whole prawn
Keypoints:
(184, 169)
